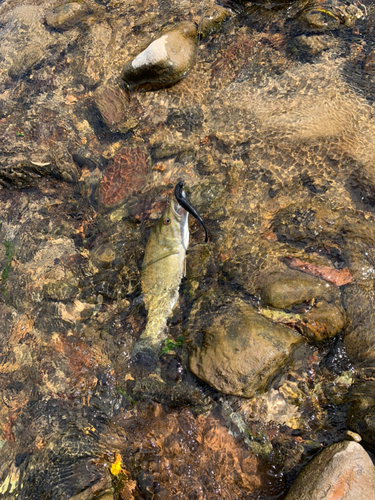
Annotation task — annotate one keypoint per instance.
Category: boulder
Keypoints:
(237, 351)
(341, 471)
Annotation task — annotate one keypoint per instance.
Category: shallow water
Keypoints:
(273, 133)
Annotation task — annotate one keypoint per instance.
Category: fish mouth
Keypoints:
(184, 204)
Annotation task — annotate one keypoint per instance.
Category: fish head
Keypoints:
(172, 228)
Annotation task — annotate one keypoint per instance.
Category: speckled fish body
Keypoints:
(162, 270)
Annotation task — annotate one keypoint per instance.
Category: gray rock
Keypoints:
(166, 60)
(25, 60)
(237, 350)
(66, 15)
(341, 471)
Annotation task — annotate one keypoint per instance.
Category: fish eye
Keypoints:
(167, 221)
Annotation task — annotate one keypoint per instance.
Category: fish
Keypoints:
(163, 267)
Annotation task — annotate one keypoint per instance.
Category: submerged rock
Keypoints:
(287, 290)
(115, 110)
(237, 351)
(330, 15)
(25, 60)
(343, 470)
(166, 60)
(66, 15)
(323, 321)
(212, 20)
(319, 313)
(361, 416)
(314, 44)
(124, 177)
(359, 338)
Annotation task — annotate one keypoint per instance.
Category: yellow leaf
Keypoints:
(116, 466)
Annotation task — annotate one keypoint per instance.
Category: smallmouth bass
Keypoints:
(162, 270)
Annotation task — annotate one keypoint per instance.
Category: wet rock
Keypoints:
(213, 20)
(173, 395)
(67, 15)
(115, 109)
(319, 20)
(236, 350)
(209, 451)
(185, 120)
(124, 177)
(25, 174)
(204, 194)
(359, 334)
(25, 60)
(330, 15)
(60, 284)
(369, 64)
(284, 291)
(317, 318)
(314, 44)
(341, 471)
(336, 277)
(166, 60)
(60, 291)
(361, 416)
(323, 321)
(353, 436)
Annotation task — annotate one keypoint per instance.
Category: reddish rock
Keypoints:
(111, 104)
(341, 471)
(179, 455)
(118, 112)
(124, 177)
(337, 277)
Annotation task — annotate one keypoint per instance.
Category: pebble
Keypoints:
(213, 20)
(353, 436)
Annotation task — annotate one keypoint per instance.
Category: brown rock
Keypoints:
(240, 350)
(323, 321)
(115, 109)
(212, 20)
(341, 471)
(166, 60)
(124, 177)
(207, 448)
(361, 416)
(287, 290)
(25, 60)
(66, 15)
